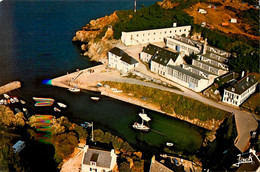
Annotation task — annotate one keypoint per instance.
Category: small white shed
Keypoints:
(233, 20)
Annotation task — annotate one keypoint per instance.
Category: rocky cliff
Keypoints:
(93, 43)
(167, 4)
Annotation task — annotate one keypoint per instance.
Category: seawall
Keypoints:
(10, 86)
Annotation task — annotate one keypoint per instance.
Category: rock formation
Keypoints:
(90, 37)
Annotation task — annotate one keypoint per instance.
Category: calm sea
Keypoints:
(35, 44)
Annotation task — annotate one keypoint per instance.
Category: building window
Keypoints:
(154, 33)
(165, 32)
(184, 29)
(170, 31)
(148, 33)
(137, 35)
(180, 30)
(175, 31)
(90, 169)
(103, 170)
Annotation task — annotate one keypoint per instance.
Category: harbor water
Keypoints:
(35, 44)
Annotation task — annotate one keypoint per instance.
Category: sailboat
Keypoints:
(141, 126)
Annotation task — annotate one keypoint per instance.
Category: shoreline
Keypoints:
(88, 81)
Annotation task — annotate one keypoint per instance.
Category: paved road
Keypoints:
(245, 122)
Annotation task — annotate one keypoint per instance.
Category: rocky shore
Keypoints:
(91, 40)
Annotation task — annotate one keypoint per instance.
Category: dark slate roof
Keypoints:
(163, 56)
(151, 49)
(124, 56)
(242, 85)
(102, 158)
(200, 69)
(186, 72)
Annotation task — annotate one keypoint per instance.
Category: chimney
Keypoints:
(205, 46)
(243, 73)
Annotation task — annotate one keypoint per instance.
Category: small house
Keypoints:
(233, 20)
(120, 60)
(98, 160)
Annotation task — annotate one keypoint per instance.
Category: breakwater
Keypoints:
(10, 87)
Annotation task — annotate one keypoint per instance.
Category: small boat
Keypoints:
(25, 110)
(16, 99)
(8, 101)
(169, 144)
(1, 102)
(141, 126)
(99, 84)
(113, 89)
(22, 101)
(6, 96)
(61, 105)
(17, 110)
(43, 104)
(75, 90)
(95, 98)
(12, 100)
(41, 99)
(5, 102)
(56, 109)
(118, 91)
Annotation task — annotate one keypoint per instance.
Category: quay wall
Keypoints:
(10, 86)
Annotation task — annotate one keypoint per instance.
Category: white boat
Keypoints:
(118, 91)
(141, 126)
(169, 144)
(74, 90)
(56, 109)
(86, 125)
(24, 109)
(5, 102)
(61, 105)
(1, 101)
(12, 100)
(22, 101)
(99, 84)
(16, 99)
(6, 96)
(95, 98)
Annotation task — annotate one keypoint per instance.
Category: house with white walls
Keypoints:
(237, 93)
(162, 58)
(95, 160)
(120, 60)
(153, 35)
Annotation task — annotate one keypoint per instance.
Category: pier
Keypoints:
(10, 87)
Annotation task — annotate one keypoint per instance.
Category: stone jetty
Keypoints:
(10, 87)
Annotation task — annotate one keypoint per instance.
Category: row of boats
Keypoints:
(40, 101)
(9, 100)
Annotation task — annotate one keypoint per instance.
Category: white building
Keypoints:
(240, 91)
(187, 78)
(233, 20)
(162, 58)
(120, 60)
(148, 52)
(98, 160)
(154, 35)
(184, 45)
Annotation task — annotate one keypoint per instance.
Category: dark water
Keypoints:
(35, 44)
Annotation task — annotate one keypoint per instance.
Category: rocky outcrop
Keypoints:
(167, 4)
(93, 47)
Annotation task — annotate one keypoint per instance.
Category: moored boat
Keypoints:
(1, 101)
(56, 109)
(5, 102)
(17, 110)
(16, 99)
(12, 100)
(75, 90)
(99, 84)
(6, 96)
(22, 101)
(41, 99)
(141, 126)
(95, 98)
(169, 144)
(61, 105)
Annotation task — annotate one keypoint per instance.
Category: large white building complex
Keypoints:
(154, 35)
(211, 62)
(95, 160)
(240, 91)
